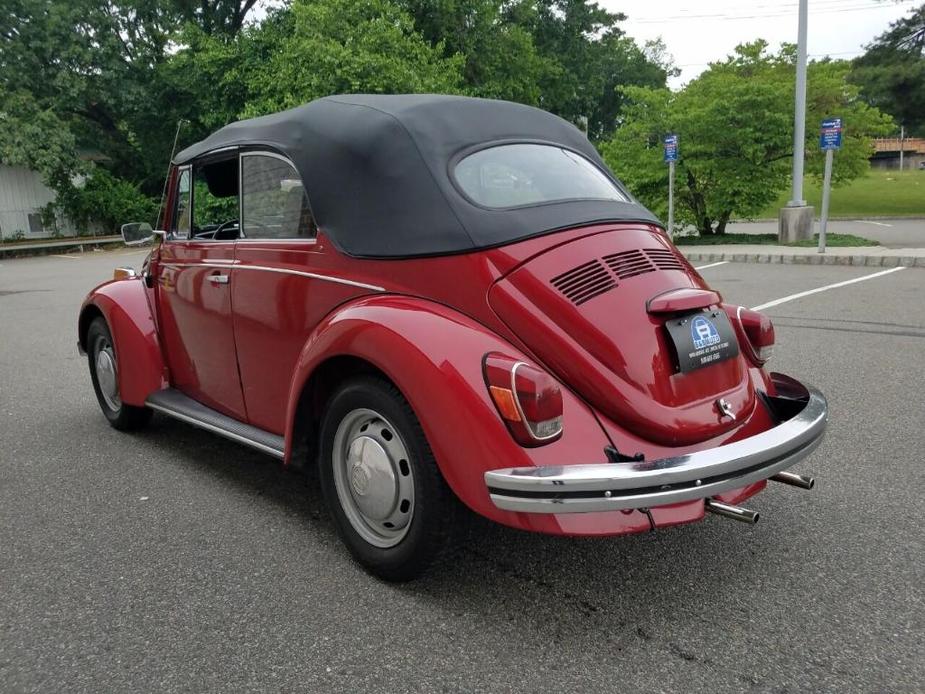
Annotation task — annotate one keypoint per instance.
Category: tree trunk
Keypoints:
(699, 207)
(706, 226)
(722, 221)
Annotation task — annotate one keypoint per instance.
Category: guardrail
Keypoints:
(44, 245)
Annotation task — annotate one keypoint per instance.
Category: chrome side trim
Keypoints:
(697, 475)
(274, 242)
(212, 264)
(170, 412)
(311, 275)
(236, 265)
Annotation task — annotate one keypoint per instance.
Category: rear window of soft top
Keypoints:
(521, 174)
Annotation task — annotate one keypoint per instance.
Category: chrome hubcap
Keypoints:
(106, 374)
(373, 477)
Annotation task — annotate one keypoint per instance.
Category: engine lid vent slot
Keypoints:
(584, 282)
(664, 259)
(628, 264)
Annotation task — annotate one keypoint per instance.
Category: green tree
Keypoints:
(566, 56)
(215, 17)
(500, 59)
(735, 127)
(84, 74)
(594, 58)
(342, 46)
(891, 73)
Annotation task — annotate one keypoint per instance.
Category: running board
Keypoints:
(173, 403)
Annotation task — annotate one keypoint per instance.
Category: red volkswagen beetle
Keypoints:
(438, 300)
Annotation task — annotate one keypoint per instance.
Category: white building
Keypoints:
(22, 196)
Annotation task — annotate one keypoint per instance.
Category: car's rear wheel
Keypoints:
(390, 504)
(104, 372)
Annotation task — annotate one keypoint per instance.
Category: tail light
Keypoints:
(529, 400)
(758, 331)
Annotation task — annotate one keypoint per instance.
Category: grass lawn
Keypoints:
(879, 194)
(771, 239)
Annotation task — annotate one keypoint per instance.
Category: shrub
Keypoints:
(102, 199)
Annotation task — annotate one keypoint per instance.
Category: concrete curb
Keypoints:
(807, 259)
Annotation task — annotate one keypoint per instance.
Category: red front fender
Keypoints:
(433, 354)
(125, 306)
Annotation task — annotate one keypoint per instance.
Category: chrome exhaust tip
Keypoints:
(794, 480)
(729, 511)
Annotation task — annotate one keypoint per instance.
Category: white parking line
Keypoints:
(704, 267)
(870, 221)
(69, 257)
(800, 295)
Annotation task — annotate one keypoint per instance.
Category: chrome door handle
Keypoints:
(219, 279)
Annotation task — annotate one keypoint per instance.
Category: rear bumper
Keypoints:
(697, 475)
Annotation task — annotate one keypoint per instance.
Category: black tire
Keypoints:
(435, 512)
(121, 416)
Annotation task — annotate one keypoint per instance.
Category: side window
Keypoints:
(215, 200)
(182, 208)
(274, 205)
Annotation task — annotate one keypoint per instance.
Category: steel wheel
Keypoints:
(104, 372)
(373, 477)
(104, 361)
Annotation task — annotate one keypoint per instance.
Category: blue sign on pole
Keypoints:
(830, 135)
(671, 148)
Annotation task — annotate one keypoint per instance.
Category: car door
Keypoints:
(195, 278)
(277, 295)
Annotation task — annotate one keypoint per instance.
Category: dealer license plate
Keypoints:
(701, 339)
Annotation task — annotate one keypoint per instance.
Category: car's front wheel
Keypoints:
(104, 373)
(390, 504)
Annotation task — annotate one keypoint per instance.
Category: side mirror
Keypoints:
(137, 233)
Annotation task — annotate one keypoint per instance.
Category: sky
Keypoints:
(706, 31)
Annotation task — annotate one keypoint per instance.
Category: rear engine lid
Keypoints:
(595, 311)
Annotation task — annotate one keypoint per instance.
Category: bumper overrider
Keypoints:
(647, 483)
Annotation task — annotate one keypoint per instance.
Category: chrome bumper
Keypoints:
(697, 475)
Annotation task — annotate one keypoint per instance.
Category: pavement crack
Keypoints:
(586, 607)
(681, 652)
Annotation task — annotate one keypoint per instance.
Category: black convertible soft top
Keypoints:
(377, 170)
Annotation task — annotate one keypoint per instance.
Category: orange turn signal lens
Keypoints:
(504, 400)
(123, 273)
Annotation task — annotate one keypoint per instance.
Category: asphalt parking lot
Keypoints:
(172, 560)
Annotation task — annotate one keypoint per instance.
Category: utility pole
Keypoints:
(902, 144)
(799, 114)
(796, 219)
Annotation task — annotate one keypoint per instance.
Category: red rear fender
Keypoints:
(434, 355)
(125, 306)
